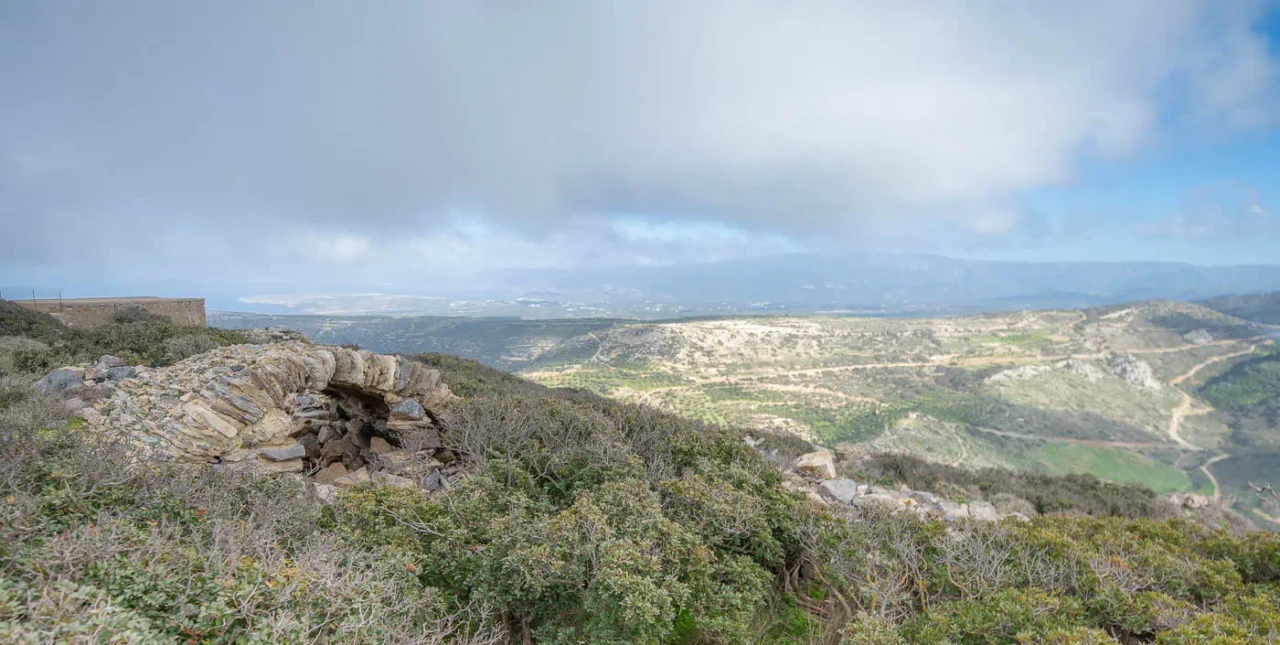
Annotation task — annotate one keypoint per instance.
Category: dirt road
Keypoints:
(1184, 410)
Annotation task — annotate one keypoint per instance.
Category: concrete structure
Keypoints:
(87, 313)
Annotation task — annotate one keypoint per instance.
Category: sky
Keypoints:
(175, 147)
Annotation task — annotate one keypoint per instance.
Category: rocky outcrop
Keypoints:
(269, 335)
(924, 504)
(282, 407)
(1021, 373)
(1134, 370)
(1082, 368)
(814, 475)
(1198, 337)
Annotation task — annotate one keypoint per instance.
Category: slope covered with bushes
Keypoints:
(583, 521)
(137, 337)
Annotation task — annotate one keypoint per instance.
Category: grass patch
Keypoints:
(1111, 464)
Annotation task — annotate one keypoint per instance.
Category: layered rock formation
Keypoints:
(283, 407)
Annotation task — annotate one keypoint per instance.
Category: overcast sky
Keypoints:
(312, 146)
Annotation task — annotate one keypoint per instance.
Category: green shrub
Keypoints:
(582, 520)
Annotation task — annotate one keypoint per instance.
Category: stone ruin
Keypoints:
(338, 415)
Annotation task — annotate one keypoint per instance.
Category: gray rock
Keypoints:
(875, 499)
(305, 401)
(296, 451)
(327, 434)
(434, 482)
(841, 490)
(387, 479)
(325, 492)
(983, 511)
(108, 361)
(61, 381)
(408, 409)
(924, 497)
(311, 445)
(818, 464)
(120, 373)
(76, 404)
(952, 511)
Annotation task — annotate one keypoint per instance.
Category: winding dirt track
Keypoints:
(1184, 410)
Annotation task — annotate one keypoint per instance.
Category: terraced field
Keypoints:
(1113, 392)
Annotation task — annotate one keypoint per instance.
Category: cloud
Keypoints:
(159, 121)
(1226, 210)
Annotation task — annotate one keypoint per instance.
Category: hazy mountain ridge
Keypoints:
(866, 283)
(498, 342)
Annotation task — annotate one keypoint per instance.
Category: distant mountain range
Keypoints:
(870, 283)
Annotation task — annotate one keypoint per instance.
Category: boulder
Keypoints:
(983, 511)
(379, 446)
(331, 473)
(285, 453)
(387, 479)
(408, 410)
(952, 511)
(62, 381)
(876, 499)
(285, 466)
(923, 497)
(327, 433)
(343, 450)
(817, 464)
(120, 373)
(840, 490)
(358, 477)
(326, 493)
(107, 361)
(435, 481)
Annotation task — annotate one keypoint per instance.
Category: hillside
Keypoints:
(570, 518)
(507, 343)
(1261, 308)
(1112, 392)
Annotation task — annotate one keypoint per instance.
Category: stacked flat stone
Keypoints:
(237, 403)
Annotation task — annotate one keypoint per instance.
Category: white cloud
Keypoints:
(770, 119)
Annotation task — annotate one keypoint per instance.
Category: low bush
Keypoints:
(138, 337)
(98, 548)
(581, 520)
